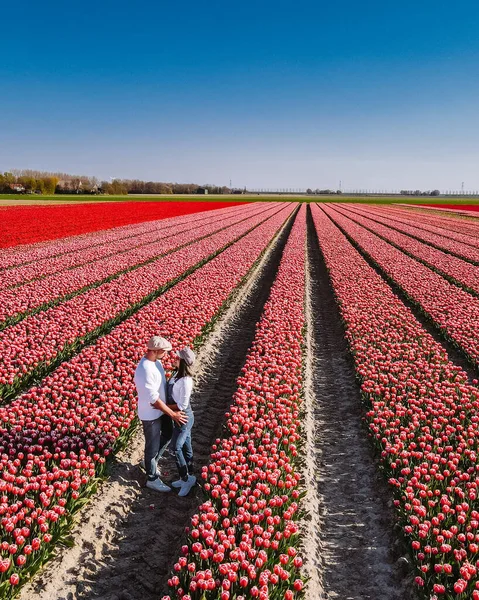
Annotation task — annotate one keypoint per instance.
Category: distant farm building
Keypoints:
(18, 188)
(202, 190)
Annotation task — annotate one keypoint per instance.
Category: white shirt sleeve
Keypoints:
(151, 386)
(162, 390)
(182, 392)
(148, 381)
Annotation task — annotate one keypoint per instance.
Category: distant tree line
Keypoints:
(419, 193)
(28, 181)
(326, 192)
(137, 186)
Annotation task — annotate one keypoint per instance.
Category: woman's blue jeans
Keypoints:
(181, 444)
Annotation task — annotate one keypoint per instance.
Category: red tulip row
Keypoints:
(448, 224)
(463, 250)
(244, 541)
(57, 332)
(108, 245)
(423, 418)
(31, 224)
(40, 293)
(453, 310)
(459, 271)
(54, 438)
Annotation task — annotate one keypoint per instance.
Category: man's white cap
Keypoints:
(159, 343)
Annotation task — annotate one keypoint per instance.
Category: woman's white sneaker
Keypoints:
(187, 485)
(157, 485)
(177, 484)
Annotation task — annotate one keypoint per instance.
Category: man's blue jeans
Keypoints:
(157, 438)
(181, 444)
(152, 433)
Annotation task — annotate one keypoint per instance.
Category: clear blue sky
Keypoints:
(268, 93)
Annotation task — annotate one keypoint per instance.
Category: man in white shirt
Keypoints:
(150, 381)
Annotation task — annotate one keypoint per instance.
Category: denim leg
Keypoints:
(182, 468)
(166, 433)
(151, 431)
(180, 437)
(188, 449)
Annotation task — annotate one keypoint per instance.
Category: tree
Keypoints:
(75, 184)
(49, 185)
(435, 193)
(9, 177)
(117, 188)
(28, 182)
(309, 191)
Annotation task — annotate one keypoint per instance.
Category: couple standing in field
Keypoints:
(164, 409)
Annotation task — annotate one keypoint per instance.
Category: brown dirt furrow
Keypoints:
(350, 542)
(128, 537)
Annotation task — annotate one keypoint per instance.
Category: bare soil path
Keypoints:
(351, 543)
(129, 537)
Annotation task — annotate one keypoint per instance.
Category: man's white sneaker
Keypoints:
(177, 484)
(141, 464)
(158, 485)
(187, 485)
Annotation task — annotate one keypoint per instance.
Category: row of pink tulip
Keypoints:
(423, 417)
(462, 272)
(244, 542)
(447, 223)
(16, 302)
(442, 229)
(54, 438)
(53, 334)
(416, 221)
(149, 234)
(452, 309)
(465, 251)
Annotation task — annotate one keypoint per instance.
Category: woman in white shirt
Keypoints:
(180, 387)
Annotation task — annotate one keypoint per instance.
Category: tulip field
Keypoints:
(79, 300)
(53, 222)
